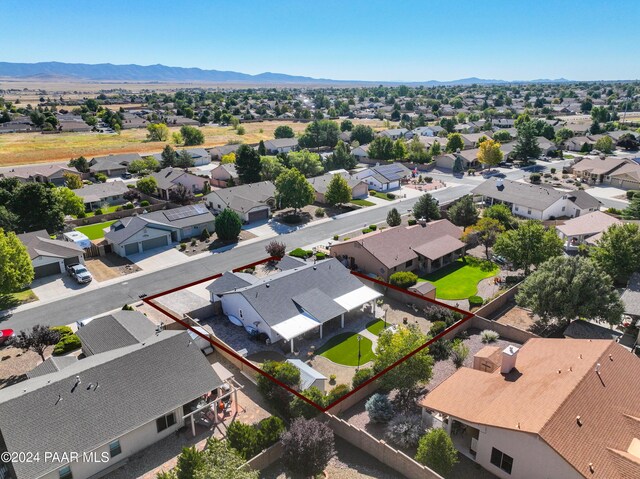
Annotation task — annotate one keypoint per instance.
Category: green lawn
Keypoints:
(343, 349)
(460, 279)
(376, 326)
(383, 196)
(362, 202)
(95, 231)
(24, 296)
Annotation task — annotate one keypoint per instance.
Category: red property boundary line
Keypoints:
(466, 317)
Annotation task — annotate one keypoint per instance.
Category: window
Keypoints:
(501, 460)
(529, 212)
(563, 208)
(114, 448)
(516, 208)
(165, 422)
(65, 472)
(240, 312)
(408, 263)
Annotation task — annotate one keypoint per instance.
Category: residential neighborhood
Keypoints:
(346, 259)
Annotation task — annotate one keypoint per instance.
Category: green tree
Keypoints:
(271, 167)
(530, 244)
(305, 162)
(526, 146)
(228, 225)
(486, 230)
(184, 160)
(346, 125)
(81, 164)
(392, 346)
(502, 136)
(563, 134)
(320, 133)
(394, 218)
(244, 439)
(628, 141)
(157, 132)
(248, 164)
(362, 134)
(399, 149)
(190, 463)
(436, 451)
(169, 157)
(16, 270)
(228, 158)
(191, 135)
(301, 408)
(341, 158)
(463, 212)
(37, 208)
(632, 212)
(502, 213)
(426, 208)
(71, 203)
(417, 152)
(382, 148)
(273, 393)
(565, 288)
(338, 191)
(181, 195)
(403, 279)
(309, 439)
(8, 220)
(145, 164)
(71, 181)
(618, 252)
(604, 145)
(489, 153)
(435, 149)
(262, 150)
(293, 190)
(147, 185)
(283, 131)
(454, 143)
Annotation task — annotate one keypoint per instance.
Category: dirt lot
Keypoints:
(110, 266)
(212, 243)
(518, 318)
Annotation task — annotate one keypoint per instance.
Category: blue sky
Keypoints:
(401, 40)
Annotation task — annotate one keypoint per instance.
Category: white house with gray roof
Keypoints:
(105, 407)
(252, 202)
(135, 234)
(287, 304)
(50, 256)
(95, 195)
(384, 177)
(169, 178)
(281, 145)
(112, 165)
(539, 202)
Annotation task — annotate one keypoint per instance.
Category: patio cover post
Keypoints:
(291, 345)
(342, 320)
(193, 425)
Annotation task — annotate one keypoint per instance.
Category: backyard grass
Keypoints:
(109, 209)
(343, 349)
(362, 202)
(95, 231)
(376, 326)
(460, 279)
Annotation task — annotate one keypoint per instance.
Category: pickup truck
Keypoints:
(79, 273)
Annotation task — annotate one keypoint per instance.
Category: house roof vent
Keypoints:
(509, 356)
(499, 182)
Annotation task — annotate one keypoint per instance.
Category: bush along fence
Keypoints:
(116, 215)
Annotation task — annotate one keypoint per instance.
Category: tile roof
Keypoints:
(39, 243)
(55, 414)
(554, 382)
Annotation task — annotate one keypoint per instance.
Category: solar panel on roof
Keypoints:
(186, 212)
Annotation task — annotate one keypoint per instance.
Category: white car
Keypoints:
(79, 273)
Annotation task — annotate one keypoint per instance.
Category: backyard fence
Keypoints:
(116, 215)
(265, 458)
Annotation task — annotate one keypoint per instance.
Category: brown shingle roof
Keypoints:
(554, 382)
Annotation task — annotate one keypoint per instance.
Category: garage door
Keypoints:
(130, 249)
(258, 215)
(73, 260)
(154, 243)
(47, 270)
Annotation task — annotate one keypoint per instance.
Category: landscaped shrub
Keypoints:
(336, 393)
(412, 222)
(440, 349)
(66, 344)
(97, 212)
(128, 206)
(475, 301)
(183, 246)
(373, 227)
(631, 194)
(459, 352)
(436, 451)
(63, 331)
(553, 171)
(307, 447)
(391, 196)
(346, 238)
(127, 307)
(336, 237)
(489, 336)
(205, 235)
(319, 212)
(404, 430)
(332, 379)
(379, 408)
(320, 255)
(372, 192)
(301, 408)
(243, 438)
(613, 211)
(194, 242)
(361, 376)
(365, 231)
(276, 249)
(82, 215)
(144, 203)
(270, 430)
(534, 178)
(403, 279)
(437, 328)
(299, 253)
(428, 179)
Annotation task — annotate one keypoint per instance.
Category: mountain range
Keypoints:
(58, 71)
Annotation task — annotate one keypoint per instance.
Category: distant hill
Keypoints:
(56, 71)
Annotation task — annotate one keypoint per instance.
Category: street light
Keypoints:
(359, 339)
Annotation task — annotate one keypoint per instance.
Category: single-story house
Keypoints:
(200, 156)
(546, 146)
(224, 175)
(95, 195)
(540, 202)
(577, 142)
(394, 133)
(471, 139)
(446, 161)
(281, 145)
(126, 398)
(561, 408)
(309, 377)
(423, 248)
(53, 173)
(612, 170)
(360, 152)
(428, 130)
(169, 178)
(359, 188)
(252, 202)
(135, 234)
(73, 125)
(112, 165)
(217, 152)
(631, 297)
(115, 330)
(384, 177)
(50, 256)
(586, 229)
(289, 303)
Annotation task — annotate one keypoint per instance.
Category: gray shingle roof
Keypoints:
(51, 365)
(167, 178)
(244, 197)
(318, 304)
(538, 197)
(230, 281)
(115, 330)
(631, 296)
(100, 191)
(120, 390)
(39, 243)
(321, 183)
(281, 143)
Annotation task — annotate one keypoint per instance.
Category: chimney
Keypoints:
(509, 356)
(499, 182)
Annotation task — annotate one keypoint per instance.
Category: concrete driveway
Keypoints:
(159, 258)
(59, 285)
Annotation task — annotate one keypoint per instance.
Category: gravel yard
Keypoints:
(14, 364)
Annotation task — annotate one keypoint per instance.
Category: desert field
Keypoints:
(27, 148)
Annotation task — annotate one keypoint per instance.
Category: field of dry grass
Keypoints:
(27, 148)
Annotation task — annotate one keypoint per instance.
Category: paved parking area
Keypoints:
(158, 258)
(59, 285)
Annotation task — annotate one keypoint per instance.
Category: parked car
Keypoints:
(79, 273)
(127, 176)
(498, 259)
(6, 335)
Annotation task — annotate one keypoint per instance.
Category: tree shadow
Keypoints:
(7, 303)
